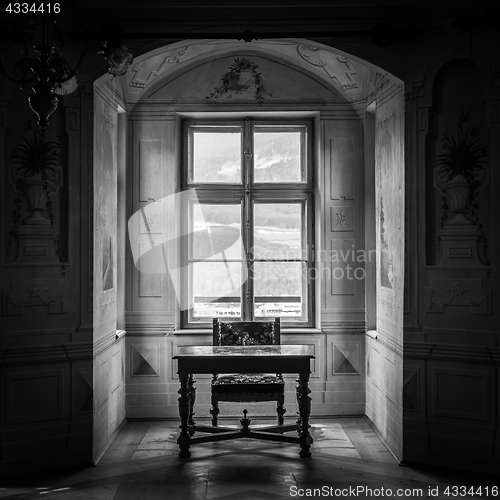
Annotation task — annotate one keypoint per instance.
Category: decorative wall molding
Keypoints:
(390, 376)
(107, 340)
(149, 329)
(342, 218)
(343, 266)
(493, 113)
(46, 354)
(388, 341)
(85, 391)
(343, 326)
(330, 101)
(53, 294)
(341, 168)
(471, 403)
(456, 353)
(464, 293)
(423, 119)
(346, 358)
(102, 381)
(411, 389)
(89, 237)
(72, 119)
(145, 360)
(30, 385)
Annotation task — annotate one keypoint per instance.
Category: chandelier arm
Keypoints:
(22, 81)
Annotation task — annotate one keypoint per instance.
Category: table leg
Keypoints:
(192, 399)
(304, 401)
(184, 408)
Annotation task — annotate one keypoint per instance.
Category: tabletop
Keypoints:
(245, 351)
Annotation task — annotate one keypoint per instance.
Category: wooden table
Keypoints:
(243, 359)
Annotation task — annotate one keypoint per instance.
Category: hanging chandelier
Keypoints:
(49, 74)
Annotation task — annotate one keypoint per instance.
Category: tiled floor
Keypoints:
(142, 464)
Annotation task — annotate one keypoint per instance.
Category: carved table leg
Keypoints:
(214, 411)
(281, 410)
(304, 401)
(184, 408)
(192, 396)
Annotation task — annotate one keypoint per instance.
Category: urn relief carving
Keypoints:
(35, 176)
(460, 178)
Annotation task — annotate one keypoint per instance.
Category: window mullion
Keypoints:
(247, 160)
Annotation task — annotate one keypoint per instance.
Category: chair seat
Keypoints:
(251, 382)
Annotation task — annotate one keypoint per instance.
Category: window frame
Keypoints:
(250, 192)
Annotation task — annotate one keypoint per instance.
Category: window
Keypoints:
(250, 223)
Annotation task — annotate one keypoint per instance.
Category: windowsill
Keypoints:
(120, 334)
(207, 331)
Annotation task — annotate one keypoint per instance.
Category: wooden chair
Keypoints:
(253, 386)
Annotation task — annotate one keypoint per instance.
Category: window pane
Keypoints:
(277, 231)
(215, 231)
(278, 279)
(279, 289)
(278, 156)
(216, 156)
(215, 288)
(217, 309)
(292, 310)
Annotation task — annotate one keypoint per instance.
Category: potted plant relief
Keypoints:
(463, 157)
(35, 157)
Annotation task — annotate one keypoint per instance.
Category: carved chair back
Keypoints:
(246, 332)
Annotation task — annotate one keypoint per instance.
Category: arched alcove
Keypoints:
(330, 91)
(458, 106)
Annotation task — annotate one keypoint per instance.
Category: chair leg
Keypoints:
(214, 411)
(281, 410)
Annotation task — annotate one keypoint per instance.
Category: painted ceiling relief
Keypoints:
(345, 77)
(243, 77)
(339, 68)
(144, 72)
